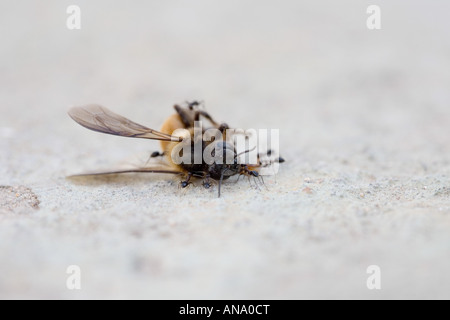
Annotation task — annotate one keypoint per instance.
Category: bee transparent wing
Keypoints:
(101, 119)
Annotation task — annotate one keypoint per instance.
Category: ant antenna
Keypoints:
(244, 152)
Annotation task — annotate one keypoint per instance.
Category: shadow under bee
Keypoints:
(120, 179)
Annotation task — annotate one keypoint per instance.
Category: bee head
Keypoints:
(225, 162)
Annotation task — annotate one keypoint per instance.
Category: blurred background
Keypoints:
(364, 119)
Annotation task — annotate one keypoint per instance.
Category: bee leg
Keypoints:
(192, 104)
(186, 182)
(185, 115)
(206, 182)
(205, 114)
(156, 154)
(223, 127)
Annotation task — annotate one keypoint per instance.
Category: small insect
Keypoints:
(100, 119)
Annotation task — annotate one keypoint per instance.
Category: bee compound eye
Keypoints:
(224, 152)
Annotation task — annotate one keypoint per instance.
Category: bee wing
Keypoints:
(154, 169)
(101, 119)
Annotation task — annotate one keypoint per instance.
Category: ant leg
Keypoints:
(206, 182)
(262, 182)
(250, 175)
(186, 182)
(249, 181)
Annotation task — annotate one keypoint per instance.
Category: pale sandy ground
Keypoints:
(365, 129)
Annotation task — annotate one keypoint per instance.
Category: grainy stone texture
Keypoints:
(17, 198)
(365, 129)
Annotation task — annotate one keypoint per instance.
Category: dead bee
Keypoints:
(100, 119)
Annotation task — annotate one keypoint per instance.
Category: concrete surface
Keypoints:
(365, 129)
